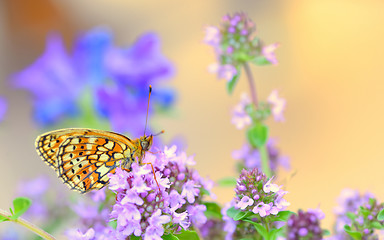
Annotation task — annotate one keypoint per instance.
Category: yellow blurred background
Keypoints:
(331, 72)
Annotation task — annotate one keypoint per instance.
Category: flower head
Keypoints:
(235, 43)
(304, 225)
(256, 194)
(142, 210)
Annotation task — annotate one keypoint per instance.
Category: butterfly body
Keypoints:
(83, 157)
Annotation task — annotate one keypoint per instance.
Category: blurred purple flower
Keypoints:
(250, 157)
(269, 52)
(240, 118)
(116, 79)
(277, 106)
(53, 82)
(304, 225)
(234, 44)
(35, 189)
(141, 64)
(3, 108)
(364, 207)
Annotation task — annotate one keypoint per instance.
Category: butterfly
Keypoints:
(83, 157)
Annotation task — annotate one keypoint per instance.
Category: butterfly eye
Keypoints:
(144, 145)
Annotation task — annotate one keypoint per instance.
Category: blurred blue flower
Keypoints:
(53, 82)
(116, 80)
(3, 108)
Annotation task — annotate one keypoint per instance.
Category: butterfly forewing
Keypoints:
(84, 157)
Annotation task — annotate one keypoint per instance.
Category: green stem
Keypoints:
(28, 225)
(263, 150)
(265, 161)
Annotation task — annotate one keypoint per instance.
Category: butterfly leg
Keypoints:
(153, 170)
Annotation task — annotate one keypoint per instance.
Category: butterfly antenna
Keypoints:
(146, 118)
(162, 131)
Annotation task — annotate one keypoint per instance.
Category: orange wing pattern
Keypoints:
(83, 157)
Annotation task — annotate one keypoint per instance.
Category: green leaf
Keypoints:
(227, 182)
(282, 216)
(376, 225)
(113, 224)
(204, 191)
(20, 205)
(326, 232)
(355, 235)
(169, 237)
(213, 210)
(232, 83)
(237, 214)
(231, 212)
(365, 212)
(380, 216)
(274, 233)
(133, 237)
(259, 228)
(261, 61)
(187, 235)
(351, 215)
(257, 135)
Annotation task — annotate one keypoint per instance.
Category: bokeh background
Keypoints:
(330, 70)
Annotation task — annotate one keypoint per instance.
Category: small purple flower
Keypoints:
(226, 71)
(190, 190)
(118, 181)
(3, 108)
(240, 118)
(262, 209)
(269, 52)
(155, 229)
(196, 214)
(212, 36)
(278, 106)
(245, 202)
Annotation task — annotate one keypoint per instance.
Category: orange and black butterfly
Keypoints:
(83, 157)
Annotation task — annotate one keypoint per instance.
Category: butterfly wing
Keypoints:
(84, 157)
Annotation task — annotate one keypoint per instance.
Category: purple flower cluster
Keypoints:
(305, 225)
(97, 72)
(254, 193)
(234, 44)
(142, 209)
(349, 201)
(364, 208)
(250, 157)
